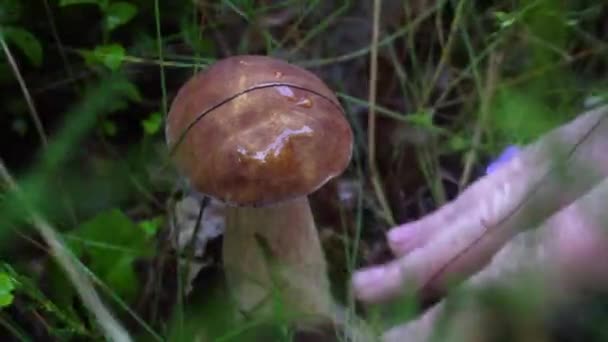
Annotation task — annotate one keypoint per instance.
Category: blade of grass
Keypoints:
(487, 94)
(34, 189)
(159, 46)
(35, 119)
(445, 52)
(371, 125)
(28, 98)
(110, 327)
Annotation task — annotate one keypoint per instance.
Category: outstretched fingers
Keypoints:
(564, 256)
(461, 237)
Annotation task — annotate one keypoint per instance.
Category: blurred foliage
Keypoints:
(112, 242)
(7, 285)
(30, 46)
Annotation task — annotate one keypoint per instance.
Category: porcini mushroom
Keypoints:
(261, 134)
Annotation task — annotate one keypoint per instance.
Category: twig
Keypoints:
(191, 248)
(109, 325)
(371, 126)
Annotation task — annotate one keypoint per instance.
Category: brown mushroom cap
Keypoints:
(253, 130)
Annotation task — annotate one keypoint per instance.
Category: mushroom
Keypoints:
(261, 134)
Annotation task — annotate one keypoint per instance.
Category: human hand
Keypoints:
(560, 177)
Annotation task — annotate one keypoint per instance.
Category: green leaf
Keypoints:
(110, 55)
(119, 13)
(153, 123)
(7, 285)
(519, 116)
(6, 299)
(457, 143)
(111, 242)
(30, 289)
(191, 34)
(26, 42)
(130, 91)
(505, 19)
(152, 226)
(421, 119)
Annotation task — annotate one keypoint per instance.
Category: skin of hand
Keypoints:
(564, 256)
(556, 183)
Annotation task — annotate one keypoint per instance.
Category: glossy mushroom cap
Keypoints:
(253, 130)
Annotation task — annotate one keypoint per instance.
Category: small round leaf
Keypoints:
(119, 13)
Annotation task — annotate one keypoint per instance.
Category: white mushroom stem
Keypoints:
(284, 275)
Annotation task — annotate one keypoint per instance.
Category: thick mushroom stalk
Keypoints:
(274, 262)
(261, 135)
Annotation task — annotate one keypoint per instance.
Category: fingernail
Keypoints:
(506, 155)
(399, 235)
(368, 277)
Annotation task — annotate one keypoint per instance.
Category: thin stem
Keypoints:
(35, 118)
(197, 228)
(371, 124)
(55, 33)
(445, 52)
(486, 101)
(28, 98)
(159, 44)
